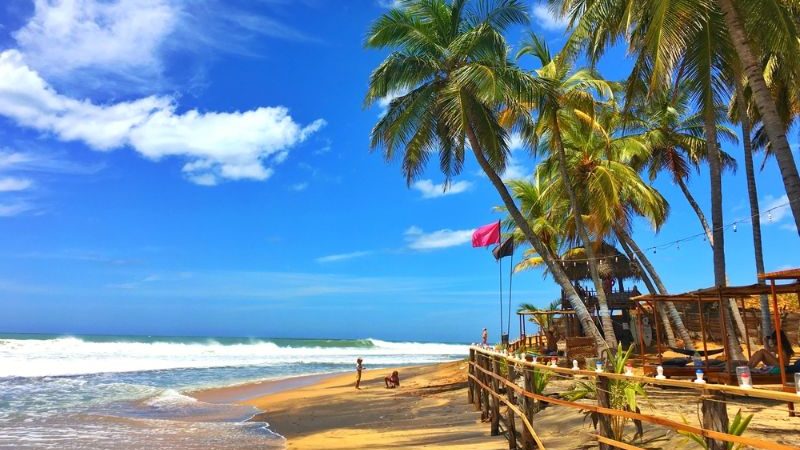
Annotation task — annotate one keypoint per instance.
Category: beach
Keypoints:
(109, 392)
(428, 410)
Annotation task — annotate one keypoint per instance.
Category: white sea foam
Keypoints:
(76, 356)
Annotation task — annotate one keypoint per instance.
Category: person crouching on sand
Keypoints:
(392, 381)
(359, 368)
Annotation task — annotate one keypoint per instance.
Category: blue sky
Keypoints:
(182, 167)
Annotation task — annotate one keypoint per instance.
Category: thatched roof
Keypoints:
(612, 263)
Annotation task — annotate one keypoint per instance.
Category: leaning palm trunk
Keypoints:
(715, 171)
(555, 268)
(672, 312)
(752, 193)
(765, 103)
(662, 311)
(697, 210)
(605, 314)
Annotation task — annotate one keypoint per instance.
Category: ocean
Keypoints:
(131, 392)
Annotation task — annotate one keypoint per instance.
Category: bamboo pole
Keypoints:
(727, 389)
(528, 406)
(470, 384)
(525, 420)
(753, 442)
(495, 426)
(512, 429)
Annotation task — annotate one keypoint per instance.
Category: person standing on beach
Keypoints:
(359, 368)
(485, 337)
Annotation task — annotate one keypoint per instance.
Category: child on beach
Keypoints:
(359, 368)
(485, 337)
(392, 381)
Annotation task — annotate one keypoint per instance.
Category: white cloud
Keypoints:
(299, 187)
(548, 20)
(419, 240)
(778, 209)
(73, 34)
(383, 102)
(515, 142)
(218, 145)
(514, 170)
(14, 208)
(430, 190)
(342, 257)
(14, 184)
(390, 3)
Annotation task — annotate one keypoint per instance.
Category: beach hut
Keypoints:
(782, 282)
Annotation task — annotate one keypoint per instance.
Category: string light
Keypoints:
(677, 242)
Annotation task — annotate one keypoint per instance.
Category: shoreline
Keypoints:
(428, 409)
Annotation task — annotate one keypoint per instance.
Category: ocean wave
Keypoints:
(63, 356)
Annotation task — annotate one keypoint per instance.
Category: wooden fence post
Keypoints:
(495, 429)
(715, 417)
(512, 429)
(470, 383)
(604, 422)
(528, 408)
(484, 392)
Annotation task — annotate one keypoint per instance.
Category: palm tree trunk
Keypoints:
(765, 103)
(605, 314)
(672, 312)
(662, 311)
(697, 210)
(555, 268)
(715, 171)
(752, 193)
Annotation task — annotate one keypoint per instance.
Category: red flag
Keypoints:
(486, 235)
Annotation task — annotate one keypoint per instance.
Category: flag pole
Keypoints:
(510, 275)
(500, 260)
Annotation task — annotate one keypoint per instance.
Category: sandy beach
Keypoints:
(429, 410)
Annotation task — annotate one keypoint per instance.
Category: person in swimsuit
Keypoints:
(485, 337)
(392, 381)
(769, 357)
(359, 368)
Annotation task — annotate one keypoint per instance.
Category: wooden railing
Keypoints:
(488, 389)
(535, 341)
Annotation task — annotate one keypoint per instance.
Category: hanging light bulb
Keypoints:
(734, 228)
(654, 250)
(769, 216)
(616, 259)
(678, 245)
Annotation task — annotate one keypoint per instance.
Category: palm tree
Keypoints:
(452, 63)
(545, 322)
(688, 37)
(774, 23)
(601, 159)
(663, 31)
(740, 111)
(675, 135)
(569, 91)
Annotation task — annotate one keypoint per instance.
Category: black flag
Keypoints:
(504, 249)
